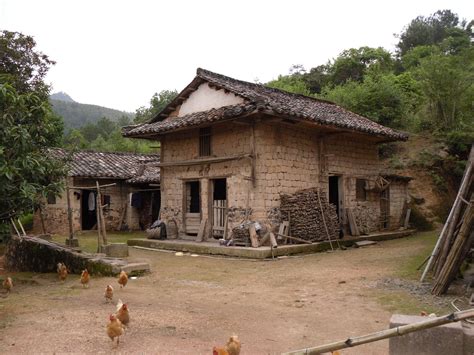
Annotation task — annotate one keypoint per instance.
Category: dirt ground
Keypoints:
(189, 304)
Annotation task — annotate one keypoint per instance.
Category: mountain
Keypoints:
(62, 96)
(76, 115)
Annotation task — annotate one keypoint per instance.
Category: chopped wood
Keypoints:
(307, 220)
(253, 236)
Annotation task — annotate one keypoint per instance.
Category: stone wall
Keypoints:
(288, 158)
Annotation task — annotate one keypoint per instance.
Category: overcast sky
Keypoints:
(118, 53)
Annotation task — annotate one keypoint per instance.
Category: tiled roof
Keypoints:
(260, 98)
(150, 174)
(114, 165)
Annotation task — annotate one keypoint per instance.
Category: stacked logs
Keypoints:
(307, 220)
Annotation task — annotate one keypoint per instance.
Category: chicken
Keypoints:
(114, 328)
(219, 351)
(232, 347)
(85, 278)
(122, 313)
(8, 284)
(62, 271)
(123, 279)
(109, 293)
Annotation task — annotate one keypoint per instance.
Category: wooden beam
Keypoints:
(253, 236)
(202, 161)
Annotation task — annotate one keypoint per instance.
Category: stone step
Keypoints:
(136, 268)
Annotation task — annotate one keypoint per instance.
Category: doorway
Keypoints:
(88, 209)
(192, 218)
(335, 193)
(219, 207)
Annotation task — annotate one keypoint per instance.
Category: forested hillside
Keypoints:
(76, 115)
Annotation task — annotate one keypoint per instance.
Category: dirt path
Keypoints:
(189, 304)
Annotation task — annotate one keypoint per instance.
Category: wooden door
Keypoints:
(192, 200)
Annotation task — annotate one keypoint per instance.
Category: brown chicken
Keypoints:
(62, 271)
(123, 279)
(219, 351)
(232, 347)
(85, 278)
(114, 328)
(122, 313)
(8, 284)
(109, 293)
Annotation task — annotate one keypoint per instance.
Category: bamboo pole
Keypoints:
(97, 213)
(449, 267)
(14, 226)
(21, 226)
(384, 334)
(436, 249)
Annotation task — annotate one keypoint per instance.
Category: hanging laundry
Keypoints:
(91, 201)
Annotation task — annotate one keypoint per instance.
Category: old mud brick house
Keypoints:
(133, 202)
(233, 146)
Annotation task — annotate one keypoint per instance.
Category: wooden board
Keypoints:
(202, 229)
(193, 221)
(352, 223)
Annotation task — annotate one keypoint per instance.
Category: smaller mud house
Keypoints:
(133, 202)
(230, 149)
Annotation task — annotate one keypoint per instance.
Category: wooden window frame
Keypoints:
(205, 141)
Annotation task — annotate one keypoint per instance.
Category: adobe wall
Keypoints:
(289, 158)
(55, 215)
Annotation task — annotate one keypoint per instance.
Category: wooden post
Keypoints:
(253, 236)
(69, 214)
(384, 334)
(253, 155)
(101, 214)
(273, 242)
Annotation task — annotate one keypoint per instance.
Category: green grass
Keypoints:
(88, 240)
(424, 242)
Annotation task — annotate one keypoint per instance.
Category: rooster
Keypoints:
(85, 278)
(122, 313)
(114, 328)
(109, 293)
(232, 347)
(62, 271)
(123, 279)
(8, 284)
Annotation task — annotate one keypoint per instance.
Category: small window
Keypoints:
(361, 193)
(51, 198)
(205, 142)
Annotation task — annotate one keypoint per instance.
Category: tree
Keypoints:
(432, 30)
(353, 64)
(29, 128)
(447, 82)
(157, 103)
(291, 83)
(21, 65)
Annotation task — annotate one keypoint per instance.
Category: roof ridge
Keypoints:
(201, 71)
(107, 153)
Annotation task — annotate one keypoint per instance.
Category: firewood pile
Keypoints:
(241, 234)
(457, 237)
(307, 219)
(366, 218)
